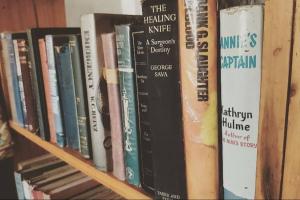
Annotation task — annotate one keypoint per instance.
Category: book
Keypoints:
(54, 92)
(111, 74)
(140, 65)
(240, 63)
(80, 92)
(12, 80)
(198, 78)
(31, 116)
(98, 107)
(165, 116)
(65, 77)
(128, 103)
(20, 81)
(34, 35)
(45, 74)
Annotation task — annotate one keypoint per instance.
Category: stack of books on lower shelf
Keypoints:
(46, 177)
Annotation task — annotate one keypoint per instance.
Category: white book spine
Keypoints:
(241, 48)
(92, 73)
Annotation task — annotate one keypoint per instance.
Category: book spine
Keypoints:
(28, 90)
(128, 104)
(15, 82)
(36, 83)
(198, 77)
(111, 70)
(99, 131)
(82, 115)
(45, 74)
(54, 92)
(145, 138)
(64, 70)
(240, 63)
(19, 185)
(20, 82)
(161, 30)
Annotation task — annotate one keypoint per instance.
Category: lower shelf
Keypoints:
(120, 187)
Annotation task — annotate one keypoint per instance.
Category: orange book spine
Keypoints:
(45, 74)
(198, 69)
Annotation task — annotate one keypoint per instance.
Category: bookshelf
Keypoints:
(84, 166)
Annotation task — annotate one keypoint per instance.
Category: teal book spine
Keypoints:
(128, 104)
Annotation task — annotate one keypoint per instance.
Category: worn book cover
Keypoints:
(111, 74)
(165, 115)
(198, 77)
(128, 103)
(240, 63)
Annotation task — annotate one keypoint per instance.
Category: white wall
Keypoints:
(75, 8)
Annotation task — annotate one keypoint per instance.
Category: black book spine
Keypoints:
(140, 64)
(165, 117)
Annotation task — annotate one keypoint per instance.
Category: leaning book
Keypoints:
(240, 64)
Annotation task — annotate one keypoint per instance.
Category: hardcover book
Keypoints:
(34, 35)
(198, 77)
(165, 116)
(54, 92)
(45, 74)
(240, 64)
(145, 139)
(111, 74)
(64, 69)
(30, 104)
(11, 74)
(128, 103)
(80, 92)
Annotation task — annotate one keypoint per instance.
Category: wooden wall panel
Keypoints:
(291, 176)
(16, 15)
(274, 89)
(50, 13)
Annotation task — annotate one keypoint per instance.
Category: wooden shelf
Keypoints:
(105, 179)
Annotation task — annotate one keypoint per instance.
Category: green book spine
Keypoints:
(128, 104)
(82, 114)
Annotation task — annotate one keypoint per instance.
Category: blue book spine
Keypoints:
(54, 92)
(128, 104)
(19, 186)
(15, 82)
(67, 93)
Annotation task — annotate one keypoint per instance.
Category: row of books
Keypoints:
(47, 177)
(145, 101)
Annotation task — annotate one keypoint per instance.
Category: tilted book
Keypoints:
(111, 73)
(11, 74)
(198, 74)
(145, 139)
(45, 74)
(165, 116)
(66, 85)
(26, 78)
(34, 35)
(54, 92)
(240, 62)
(80, 93)
(128, 103)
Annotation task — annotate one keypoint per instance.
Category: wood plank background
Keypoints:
(274, 90)
(18, 15)
(291, 175)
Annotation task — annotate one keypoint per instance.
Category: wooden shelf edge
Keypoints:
(115, 185)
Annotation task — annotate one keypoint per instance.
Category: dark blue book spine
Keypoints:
(13, 65)
(128, 104)
(67, 94)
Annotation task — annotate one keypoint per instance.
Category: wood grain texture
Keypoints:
(274, 89)
(106, 179)
(291, 176)
(50, 13)
(16, 15)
